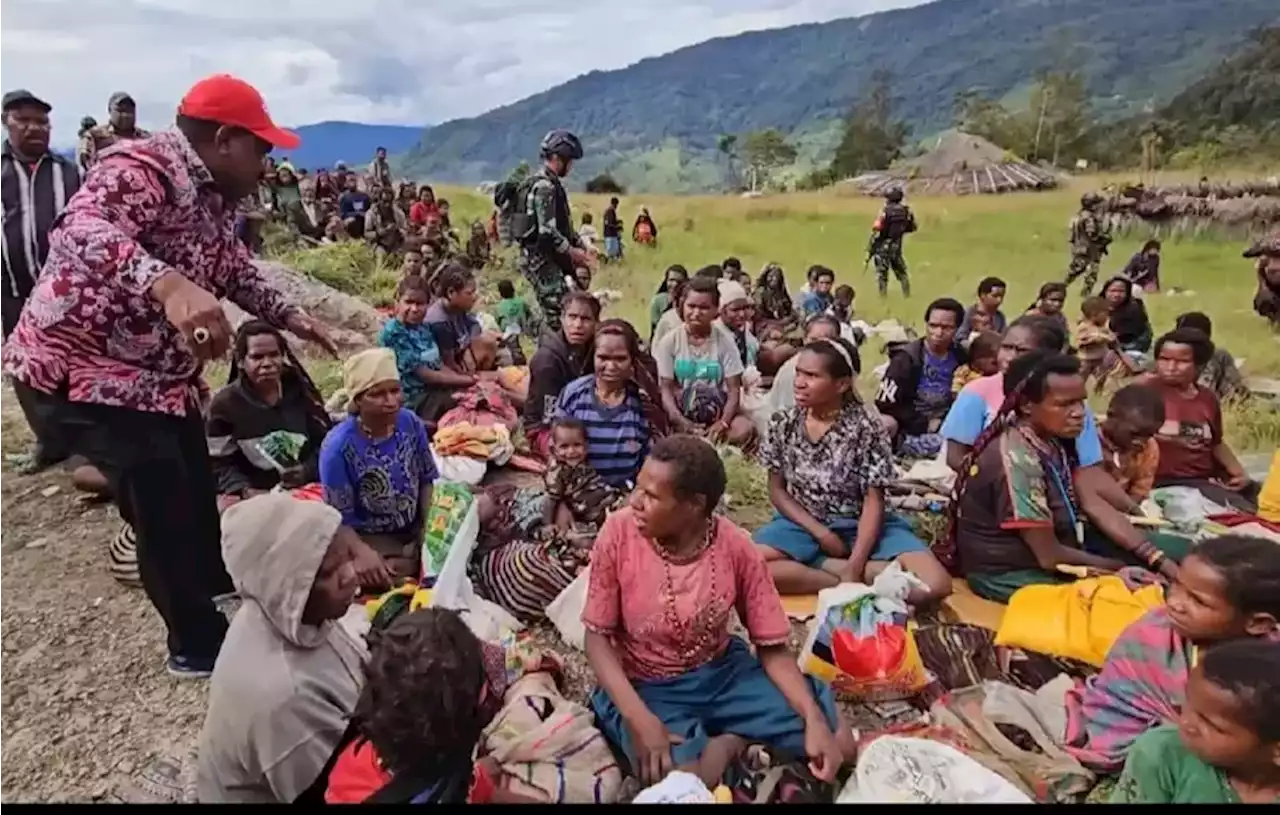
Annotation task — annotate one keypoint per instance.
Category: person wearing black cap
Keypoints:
(122, 124)
(36, 185)
(121, 322)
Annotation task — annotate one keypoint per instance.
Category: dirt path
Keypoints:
(86, 701)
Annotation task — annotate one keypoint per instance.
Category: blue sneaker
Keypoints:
(189, 668)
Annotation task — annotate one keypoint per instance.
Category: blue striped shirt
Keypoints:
(617, 437)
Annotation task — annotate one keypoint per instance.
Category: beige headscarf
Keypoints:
(731, 291)
(364, 370)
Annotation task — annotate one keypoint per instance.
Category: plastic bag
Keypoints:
(1079, 620)
(900, 770)
(860, 643)
(677, 788)
(452, 506)
(565, 612)
(1185, 505)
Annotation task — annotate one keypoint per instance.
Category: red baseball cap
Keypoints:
(224, 99)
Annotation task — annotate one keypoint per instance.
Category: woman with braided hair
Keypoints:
(1015, 516)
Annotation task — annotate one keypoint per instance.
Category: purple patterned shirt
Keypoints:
(148, 207)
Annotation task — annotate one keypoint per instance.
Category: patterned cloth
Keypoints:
(414, 347)
(1141, 685)
(581, 488)
(150, 207)
(377, 486)
(830, 477)
(666, 618)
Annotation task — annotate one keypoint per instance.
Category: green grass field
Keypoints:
(1020, 238)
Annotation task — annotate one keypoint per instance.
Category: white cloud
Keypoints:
(377, 61)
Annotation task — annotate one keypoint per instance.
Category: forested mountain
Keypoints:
(325, 143)
(655, 124)
(1231, 113)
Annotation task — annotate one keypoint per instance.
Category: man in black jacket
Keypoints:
(916, 389)
(36, 185)
(612, 232)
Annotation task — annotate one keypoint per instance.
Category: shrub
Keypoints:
(605, 184)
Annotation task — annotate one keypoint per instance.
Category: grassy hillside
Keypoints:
(800, 79)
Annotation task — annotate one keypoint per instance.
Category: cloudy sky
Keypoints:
(377, 61)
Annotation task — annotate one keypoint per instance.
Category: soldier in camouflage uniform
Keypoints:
(1090, 237)
(122, 125)
(543, 226)
(1266, 301)
(895, 222)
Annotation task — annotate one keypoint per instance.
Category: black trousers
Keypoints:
(50, 446)
(158, 468)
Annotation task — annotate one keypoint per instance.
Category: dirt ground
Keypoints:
(86, 700)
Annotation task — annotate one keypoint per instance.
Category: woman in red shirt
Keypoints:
(424, 210)
(1193, 452)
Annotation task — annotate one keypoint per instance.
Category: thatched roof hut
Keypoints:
(958, 164)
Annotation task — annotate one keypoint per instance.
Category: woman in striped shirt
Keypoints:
(610, 404)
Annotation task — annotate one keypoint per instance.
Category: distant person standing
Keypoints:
(123, 318)
(894, 223)
(612, 232)
(37, 185)
(380, 170)
(543, 226)
(1090, 238)
(122, 125)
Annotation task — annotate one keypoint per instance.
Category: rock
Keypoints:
(37, 543)
(353, 323)
(49, 492)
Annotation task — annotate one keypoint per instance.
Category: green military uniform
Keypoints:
(1090, 238)
(97, 139)
(544, 258)
(896, 221)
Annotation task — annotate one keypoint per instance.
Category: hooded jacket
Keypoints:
(282, 691)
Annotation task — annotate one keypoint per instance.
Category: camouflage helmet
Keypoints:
(894, 196)
(561, 143)
(1090, 199)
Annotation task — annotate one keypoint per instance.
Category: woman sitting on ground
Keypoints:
(677, 690)
(829, 463)
(645, 231)
(1220, 374)
(268, 392)
(376, 466)
(611, 406)
(1227, 589)
(562, 357)
(673, 317)
(1049, 305)
(701, 372)
(427, 384)
(1129, 320)
(1143, 269)
(450, 320)
(661, 301)
(775, 311)
(1193, 452)
(1016, 517)
(735, 315)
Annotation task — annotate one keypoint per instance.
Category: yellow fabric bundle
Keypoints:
(1079, 620)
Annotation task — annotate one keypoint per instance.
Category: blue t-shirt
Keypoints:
(414, 347)
(811, 303)
(970, 414)
(377, 486)
(617, 437)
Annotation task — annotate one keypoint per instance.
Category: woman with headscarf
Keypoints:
(266, 426)
(288, 191)
(1129, 320)
(376, 466)
(645, 231)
